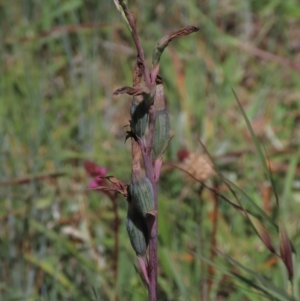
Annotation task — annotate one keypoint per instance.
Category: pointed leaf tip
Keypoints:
(164, 41)
(143, 270)
(286, 251)
(262, 233)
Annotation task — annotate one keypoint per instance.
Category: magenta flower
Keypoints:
(96, 172)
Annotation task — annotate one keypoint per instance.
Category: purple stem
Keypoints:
(153, 260)
(148, 163)
(149, 170)
(137, 42)
(152, 268)
(147, 157)
(116, 237)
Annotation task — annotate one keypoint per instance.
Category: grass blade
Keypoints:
(258, 147)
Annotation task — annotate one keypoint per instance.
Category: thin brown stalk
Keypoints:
(269, 56)
(137, 41)
(213, 241)
(35, 178)
(59, 30)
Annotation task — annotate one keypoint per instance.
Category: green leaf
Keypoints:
(51, 270)
(172, 271)
(248, 204)
(55, 237)
(249, 282)
(258, 147)
(268, 286)
(67, 7)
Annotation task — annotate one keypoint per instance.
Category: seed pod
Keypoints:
(162, 123)
(139, 117)
(137, 231)
(141, 193)
(139, 111)
(162, 131)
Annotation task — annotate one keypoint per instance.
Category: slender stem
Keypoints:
(146, 145)
(153, 259)
(116, 239)
(137, 41)
(213, 241)
(147, 152)
(153, 263)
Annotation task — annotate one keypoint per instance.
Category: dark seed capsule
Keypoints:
(137, 232)
(162, 131)
(141, 194)
(139, 118)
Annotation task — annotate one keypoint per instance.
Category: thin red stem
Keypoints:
(152, 268)
(138, 45)
(116, 235)
(153, 259)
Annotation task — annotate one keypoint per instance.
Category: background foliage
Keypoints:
(60, 62)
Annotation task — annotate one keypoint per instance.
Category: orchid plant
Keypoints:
(149, 134)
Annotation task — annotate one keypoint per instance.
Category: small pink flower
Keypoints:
(96, 172)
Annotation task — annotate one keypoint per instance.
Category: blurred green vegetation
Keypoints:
(60, 62)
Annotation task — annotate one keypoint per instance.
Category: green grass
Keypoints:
(60, 63)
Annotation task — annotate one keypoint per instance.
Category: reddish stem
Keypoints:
(148, 162)
(116, 235)
(138, 45)
(153, 260)
(152, 268)
(150, 173)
